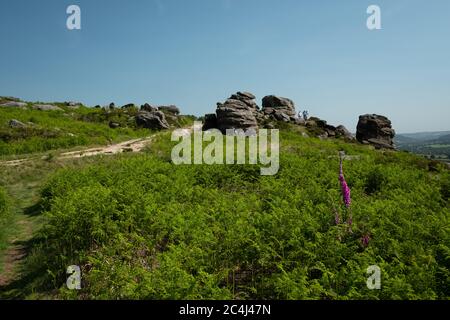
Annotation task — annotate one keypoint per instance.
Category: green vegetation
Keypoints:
(3, 203)
(4, 218)
(142, 228)
(434, 145)
(49, 130)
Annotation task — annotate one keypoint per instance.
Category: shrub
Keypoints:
(375, 179)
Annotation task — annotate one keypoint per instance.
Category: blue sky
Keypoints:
(194, 53)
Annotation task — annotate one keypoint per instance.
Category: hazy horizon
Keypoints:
(194, 54)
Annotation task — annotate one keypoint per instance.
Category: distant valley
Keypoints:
(434, 145)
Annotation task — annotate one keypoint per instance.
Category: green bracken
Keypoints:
(142, 228)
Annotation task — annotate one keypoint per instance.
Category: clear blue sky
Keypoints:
(194, 53)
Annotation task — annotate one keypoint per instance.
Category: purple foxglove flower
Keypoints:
(344, 187)
(365, 240)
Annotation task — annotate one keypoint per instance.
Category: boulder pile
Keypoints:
(237, 112)
(278, 108)
(375, 130)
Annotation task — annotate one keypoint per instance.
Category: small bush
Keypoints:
(375, 180)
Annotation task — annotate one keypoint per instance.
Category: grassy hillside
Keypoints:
(50, 130)
(143, 228)
(3, 203)
(4, 218)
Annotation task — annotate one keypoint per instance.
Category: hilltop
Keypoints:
(141, 227)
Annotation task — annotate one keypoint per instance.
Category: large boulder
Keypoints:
(152, 120)
(46, 107)
(279, 108)
(375, 130)
(210, 121)
(237, 112)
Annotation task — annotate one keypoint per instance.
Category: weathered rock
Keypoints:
(380, 144)
(342, 131)
(14, 104)
(237, 112)
(376, 130)
(210, 121)
(170, 109)
(152, 120)
(128, 105)
(114, 125)
(148, 107)
(273, 104)
(46, 107)
(13, 123)
(300, 121)
(330, 130)
(281, 116)
(247, 95)
(73, 104)
(314, 121)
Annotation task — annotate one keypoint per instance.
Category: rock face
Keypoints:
(152, 120)
(14, 104)
(342, 131)
(237, 112)
(281, 109)
(376, 130)
(46, 107)
(210, 121)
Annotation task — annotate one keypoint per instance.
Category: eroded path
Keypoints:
(24, 191)
(24, 222)
(134, 145)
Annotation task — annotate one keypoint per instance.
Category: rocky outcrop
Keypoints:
(320, 128)
(342, 131)
(73, 104)
(279, 108)
(237, 112)
(128, 105)
(14, 104)
(152, 120)
(210, 121)
(170, 109)
(46, 107)
(375, 130)
(148, 107)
